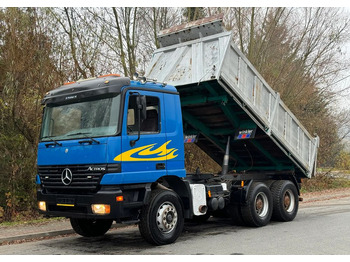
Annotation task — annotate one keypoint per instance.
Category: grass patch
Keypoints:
(29, 222)
(324, 181)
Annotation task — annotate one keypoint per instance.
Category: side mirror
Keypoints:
(142, 114)
(142, 106)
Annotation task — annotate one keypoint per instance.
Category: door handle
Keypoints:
(160, 166)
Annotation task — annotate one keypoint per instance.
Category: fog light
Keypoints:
(42, 205)
(101, 209)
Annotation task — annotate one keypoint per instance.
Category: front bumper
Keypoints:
(79, 206)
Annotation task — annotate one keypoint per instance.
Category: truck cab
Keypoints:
(103, 142)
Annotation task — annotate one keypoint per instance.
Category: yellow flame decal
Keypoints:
(140, 153)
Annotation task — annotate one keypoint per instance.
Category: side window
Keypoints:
(152, 122)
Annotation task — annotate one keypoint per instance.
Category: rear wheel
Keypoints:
(285, 200)
(162, 219)
(258, 210)
(91, 227)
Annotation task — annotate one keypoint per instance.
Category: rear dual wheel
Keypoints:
(279, 203)
(285, 200)
(258, 210)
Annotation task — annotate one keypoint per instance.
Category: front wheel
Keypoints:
(258, 210)
(91, 227)
(162, 219)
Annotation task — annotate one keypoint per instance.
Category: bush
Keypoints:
(343, 161)
(324, 181)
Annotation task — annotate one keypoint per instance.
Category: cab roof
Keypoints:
(104, 86)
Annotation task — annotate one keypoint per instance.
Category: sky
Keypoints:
(178, 3)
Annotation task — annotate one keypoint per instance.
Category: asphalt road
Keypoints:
(320, 228)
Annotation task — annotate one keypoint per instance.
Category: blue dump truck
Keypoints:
(112, 148)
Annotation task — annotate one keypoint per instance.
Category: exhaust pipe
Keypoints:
(203, 209)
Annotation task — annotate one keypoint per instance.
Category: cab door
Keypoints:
(143, 159)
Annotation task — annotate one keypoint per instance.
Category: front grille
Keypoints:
(85, 178)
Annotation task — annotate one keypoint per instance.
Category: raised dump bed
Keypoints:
(223, 95)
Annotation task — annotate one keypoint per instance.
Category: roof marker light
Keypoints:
(68, 83)
(116, 75)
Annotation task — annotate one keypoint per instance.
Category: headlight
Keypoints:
(42, 205)
(101, 209)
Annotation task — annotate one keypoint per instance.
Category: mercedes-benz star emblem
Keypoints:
(66, 176)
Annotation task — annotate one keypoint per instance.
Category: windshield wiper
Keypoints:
(89, 141)
(54, 141)
(85, 141)
(79, 133)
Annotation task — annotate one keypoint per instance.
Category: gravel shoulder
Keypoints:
(312, 197)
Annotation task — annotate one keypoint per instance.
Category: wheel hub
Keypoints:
(286, 201)
(170, 217)
(289, 201)
(261, 204)
(166, 217)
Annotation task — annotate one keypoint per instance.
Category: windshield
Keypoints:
(84, 119)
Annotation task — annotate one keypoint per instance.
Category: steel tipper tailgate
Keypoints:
(223, 95)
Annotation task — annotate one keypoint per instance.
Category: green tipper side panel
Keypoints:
(208, 111)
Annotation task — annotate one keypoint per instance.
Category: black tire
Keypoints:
(285, 200)
(258, 210)
(162, 219)
(91, 227)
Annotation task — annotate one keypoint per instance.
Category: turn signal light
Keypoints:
(42, 205)
(101, 209)
(120, 198)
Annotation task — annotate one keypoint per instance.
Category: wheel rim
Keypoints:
(289, 201)
(166, 217)
(261, 204)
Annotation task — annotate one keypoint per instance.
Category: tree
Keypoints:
(27, 72)
(298, 52)
(194, 13)
(79, 50)
(155, 20)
